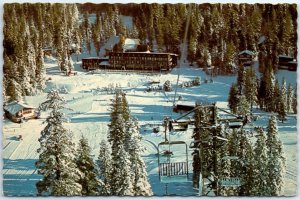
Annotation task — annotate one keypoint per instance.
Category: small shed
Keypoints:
(246, 56)
(16, 111)
(287, 62)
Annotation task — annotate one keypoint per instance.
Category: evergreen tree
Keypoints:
(167, 86)
(121, 174)
(290, 94)
(233, 98)
(281, 96)
(243, 106)
(260, 163)
(89, 182)
(277, 97)
(250, 87)
(276, 160)
(270, 102)
(294, 102)
(241, 78)
(246, 165)
(104, 164)
(141, 186)
(120, 177)
(56, 153)
(282, 110)
(262, 92)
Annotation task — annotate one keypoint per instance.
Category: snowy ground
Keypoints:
(90, 117)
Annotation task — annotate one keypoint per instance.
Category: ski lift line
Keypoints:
(228, 112)
(153, 144)
(183, 49)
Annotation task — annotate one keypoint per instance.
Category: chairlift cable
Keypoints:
(183, 50)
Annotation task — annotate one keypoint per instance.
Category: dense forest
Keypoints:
(217, 32)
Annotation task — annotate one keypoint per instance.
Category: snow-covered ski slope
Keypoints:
(89, 117)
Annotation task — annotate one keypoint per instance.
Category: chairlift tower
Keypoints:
(206, 120)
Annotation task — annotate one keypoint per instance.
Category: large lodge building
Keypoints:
(132, 59)
(142, 61)
(139, 61)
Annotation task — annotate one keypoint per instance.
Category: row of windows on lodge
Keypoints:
(137, 62)
(137, 58)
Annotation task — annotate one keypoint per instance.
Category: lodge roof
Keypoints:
(131, 44)
(15, 106)
(247, 52)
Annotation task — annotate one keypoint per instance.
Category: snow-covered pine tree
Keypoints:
(294, 101)
(260, 163)
(88, 181)
(289, 102)
(250, 89)
(275, 161)
(246, 165)
(241, 78)
(141, 185)
(282, 106)
(243, 106)
(233, 98)
(269, 92)
(56, 161)
(167, 86)
(276, 97)
(261, 96)
(284, 93)
(104, 164)
(282, 109)
(120, 174)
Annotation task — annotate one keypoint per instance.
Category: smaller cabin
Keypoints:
(17, 111)
(246, 56)
(287, 62)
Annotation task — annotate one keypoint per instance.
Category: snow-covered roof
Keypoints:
(104, 63)
(261, 39)
(131, 44)
(284, 56)
(15, 106)
(247, 52)
(91, 58)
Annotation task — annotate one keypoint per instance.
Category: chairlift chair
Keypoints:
(172, 171)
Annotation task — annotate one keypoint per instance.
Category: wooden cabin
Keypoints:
(142, 61)
(17, 111)
(245, 56)
(283, 61)
(287, 62)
